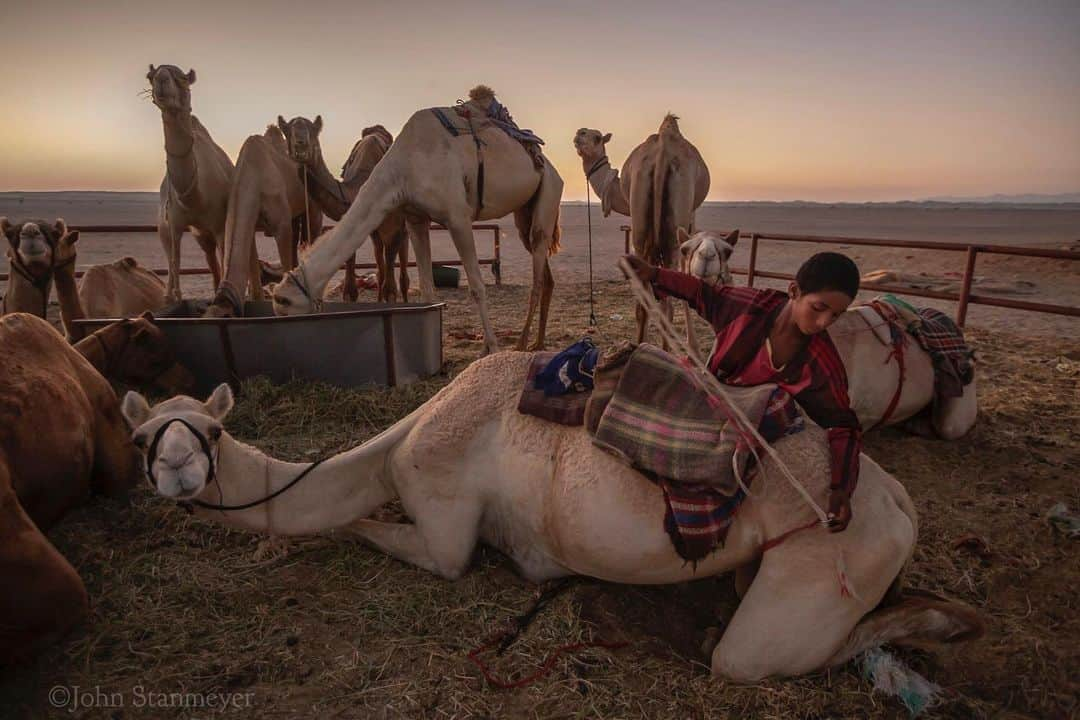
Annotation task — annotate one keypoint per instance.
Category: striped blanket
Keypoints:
(565, 409)
(938, 335)
(660, 421)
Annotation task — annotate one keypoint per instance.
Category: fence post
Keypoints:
(753, 260)
(965, 289)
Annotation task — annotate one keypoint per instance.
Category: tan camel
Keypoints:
(32, 261)
(198, 175)
(664, 181)
(268, 195)
(433, 175)
(120, 289)
(390, 239)
(468, 467)
(864, 344)
(62, 438)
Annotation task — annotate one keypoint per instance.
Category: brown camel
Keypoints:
(268, 195)
(390, 239)
(120, 289)
(32, 259)
(135, 352)
(664, 180)
(198, 175)
(62, 438)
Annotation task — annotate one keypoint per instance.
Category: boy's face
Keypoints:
(816, 311)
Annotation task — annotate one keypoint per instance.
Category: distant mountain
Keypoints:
(1028, 199)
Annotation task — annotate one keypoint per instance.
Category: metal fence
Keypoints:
(964, 298)
(495, 261)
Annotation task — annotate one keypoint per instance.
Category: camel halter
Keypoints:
(211, 473)
(713, 387)
(295, 275)
(40, 284)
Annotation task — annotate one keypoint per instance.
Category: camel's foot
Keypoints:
(271, 548)
(173, 296)
(537, 346)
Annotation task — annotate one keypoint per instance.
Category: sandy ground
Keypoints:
(1051, 281)
(334, 629)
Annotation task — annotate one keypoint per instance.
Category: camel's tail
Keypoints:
(659, 183)
(919, 619)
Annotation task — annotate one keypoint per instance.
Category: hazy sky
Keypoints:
(785, 100)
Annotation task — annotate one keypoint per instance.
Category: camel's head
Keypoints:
(170, 87)
(590, 144)
(294, 295)
(705, 255)
(302, 135)
(37, 244)
(138, 353)
(178, 439)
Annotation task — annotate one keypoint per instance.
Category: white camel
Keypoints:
(863, 341)
(434, 175)
(468, 467)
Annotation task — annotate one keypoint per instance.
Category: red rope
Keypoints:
(770, 544)
(549, 663)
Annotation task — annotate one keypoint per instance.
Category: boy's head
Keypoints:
(824, 287)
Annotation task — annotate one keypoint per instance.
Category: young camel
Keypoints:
(268, 195)
(664, 181)
(468, 467)
(864, 343)
(62, 438)
(32, 262)
(390, 239)
(434, 175)
(198, 175)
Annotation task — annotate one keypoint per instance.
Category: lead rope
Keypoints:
(708, 382)
(588, 216)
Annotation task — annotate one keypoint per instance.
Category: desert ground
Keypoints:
(334, 629)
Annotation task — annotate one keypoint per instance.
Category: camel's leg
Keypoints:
(401, 241)
(209, 245)
(954, 417)
(378, 251)
(523, 219)
(170, 243)
(462, 234)
(445, 550)
(255, 290)
(545, 304)
(349, 289)
(387, 282)
(286, 244)
(420, 233)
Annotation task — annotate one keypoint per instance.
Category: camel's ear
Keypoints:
(150, 75)
(135, 409)
(318, 124)
(682, 234)
(148, 317)
(220, 401)
(60, 227)
(283, 126)
(732, 237)
(7, 230)
(190, 76)
(604, 140)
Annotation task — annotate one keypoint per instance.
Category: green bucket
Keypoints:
(448, 277)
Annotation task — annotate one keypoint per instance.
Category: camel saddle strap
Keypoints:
(897, 352)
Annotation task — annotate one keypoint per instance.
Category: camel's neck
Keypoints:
(342, 489)
(180, 163)
(92, 347)
(70, 307)
(604, 181)
(23, 295)
(335, 197)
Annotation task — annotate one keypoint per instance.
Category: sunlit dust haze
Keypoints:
(824, 101)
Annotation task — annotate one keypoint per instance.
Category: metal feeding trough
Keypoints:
(347, 344)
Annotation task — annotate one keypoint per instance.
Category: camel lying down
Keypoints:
(468, 467)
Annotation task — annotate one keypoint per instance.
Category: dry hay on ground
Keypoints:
(334, 629)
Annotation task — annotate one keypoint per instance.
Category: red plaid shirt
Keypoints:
(742, 318)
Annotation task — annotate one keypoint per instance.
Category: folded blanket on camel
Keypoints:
(566, 408)
(650, 429)
(938, 335)
(481, 108)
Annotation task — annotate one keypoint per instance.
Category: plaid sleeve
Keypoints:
(718, 304)
(826, 402)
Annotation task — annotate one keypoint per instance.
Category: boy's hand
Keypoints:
(645, 272)
(839, 510)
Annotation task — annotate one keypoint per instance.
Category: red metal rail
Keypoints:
(964, 299)
(495, 261)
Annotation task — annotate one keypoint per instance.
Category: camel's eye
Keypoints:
(140, 441)
(215, 432)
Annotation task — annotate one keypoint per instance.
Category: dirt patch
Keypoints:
(334, 629)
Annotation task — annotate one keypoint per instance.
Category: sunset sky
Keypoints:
(786, 100)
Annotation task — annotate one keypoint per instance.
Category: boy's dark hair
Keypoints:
(829, 271)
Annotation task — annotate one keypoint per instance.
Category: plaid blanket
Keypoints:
(661, 422)
(938, 335)
(566, 409)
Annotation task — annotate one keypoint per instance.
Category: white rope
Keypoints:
(708, 382)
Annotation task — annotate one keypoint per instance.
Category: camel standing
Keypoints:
(120, 289)
(664, 181)
(468, 467)
(434, 175)
(390, 239)
(268, 195)
(62, 438)
(198, 175)
(32, 261)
